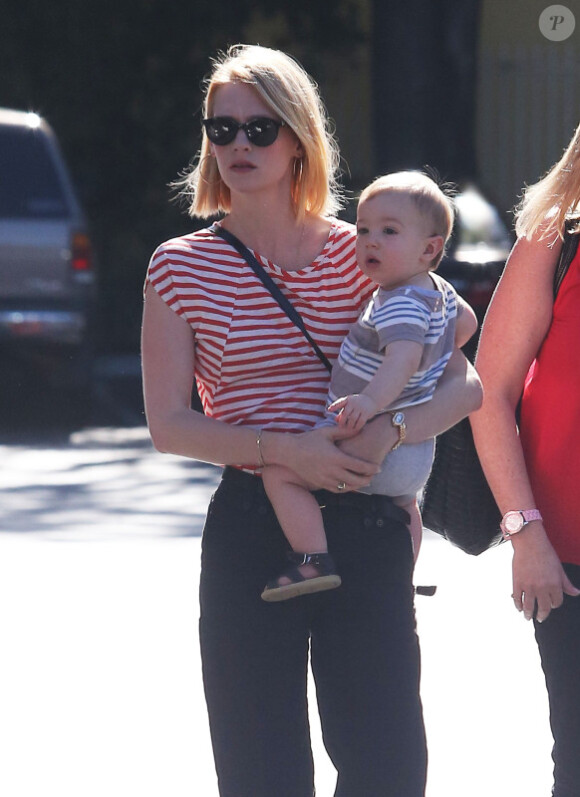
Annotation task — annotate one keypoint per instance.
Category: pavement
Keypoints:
(100, 686)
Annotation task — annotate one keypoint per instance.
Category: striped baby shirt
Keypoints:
(405, 313)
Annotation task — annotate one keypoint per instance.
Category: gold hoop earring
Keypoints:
(203, 160)
(297, 170)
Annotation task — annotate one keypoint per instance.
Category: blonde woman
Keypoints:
(269, 164)
(529, 342)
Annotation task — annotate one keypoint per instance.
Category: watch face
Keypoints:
(513, 522)
(398, 418)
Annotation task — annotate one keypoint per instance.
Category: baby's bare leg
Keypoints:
(416, 524)
(296, 509)
(301, 520)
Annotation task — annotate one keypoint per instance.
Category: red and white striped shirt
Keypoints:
(253, 366)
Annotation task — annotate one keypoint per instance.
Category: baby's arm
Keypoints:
(466, 323)
(401, 360)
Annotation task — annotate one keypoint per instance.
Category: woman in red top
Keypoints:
(530, 342)
(269, 164)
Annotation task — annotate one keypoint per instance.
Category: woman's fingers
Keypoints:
(543, 606)
(518, 598)
(539, 579)
(320, 462)
(569, 588)
(539, 602)
(535, 604)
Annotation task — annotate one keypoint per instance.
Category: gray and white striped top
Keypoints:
(405, 313)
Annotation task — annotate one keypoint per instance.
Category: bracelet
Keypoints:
(261, 462)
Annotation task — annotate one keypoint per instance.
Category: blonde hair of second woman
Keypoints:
(292, 95)
(554, 198)
(429, 198)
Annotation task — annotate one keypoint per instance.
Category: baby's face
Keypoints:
(392, 237)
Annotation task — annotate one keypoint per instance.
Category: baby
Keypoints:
(391, 359)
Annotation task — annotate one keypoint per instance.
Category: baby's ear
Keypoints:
(433, 245)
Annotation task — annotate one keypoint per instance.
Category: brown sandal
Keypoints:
(326, 577)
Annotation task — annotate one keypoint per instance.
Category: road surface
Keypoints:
(100, 690)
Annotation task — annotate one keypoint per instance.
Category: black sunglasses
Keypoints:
(222, 130)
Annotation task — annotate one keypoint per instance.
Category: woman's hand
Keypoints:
(318, 460)
(539, 580)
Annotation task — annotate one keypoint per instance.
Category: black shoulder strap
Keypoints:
(271, 286)
(567, 255)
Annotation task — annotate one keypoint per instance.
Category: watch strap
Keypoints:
(531, 514)
(398, 421)
(527, 515)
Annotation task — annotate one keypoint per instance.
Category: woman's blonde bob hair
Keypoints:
(293, 97)
(549, 202)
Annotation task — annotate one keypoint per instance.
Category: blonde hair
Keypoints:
(429, 198)
(553, 199)
(293, 96)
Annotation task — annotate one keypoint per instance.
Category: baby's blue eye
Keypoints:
(389, 231)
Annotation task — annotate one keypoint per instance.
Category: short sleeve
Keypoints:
(161, 277)
(404, 315)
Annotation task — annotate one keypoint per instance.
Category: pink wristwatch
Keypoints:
(514, 521)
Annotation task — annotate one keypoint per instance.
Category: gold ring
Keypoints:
(341, 486)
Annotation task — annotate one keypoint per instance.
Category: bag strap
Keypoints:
(273, 289)
(569, 249)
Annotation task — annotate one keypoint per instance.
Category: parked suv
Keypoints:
(47, 275)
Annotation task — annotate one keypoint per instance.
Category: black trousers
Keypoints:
(558, 639)
(361, 636)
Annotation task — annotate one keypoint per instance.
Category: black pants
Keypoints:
(558, 639)
(364, 650)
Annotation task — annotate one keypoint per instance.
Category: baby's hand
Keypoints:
(355, 410)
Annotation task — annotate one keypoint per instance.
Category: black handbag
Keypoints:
(457, 501)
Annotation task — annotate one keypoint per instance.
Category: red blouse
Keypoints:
(550, 421)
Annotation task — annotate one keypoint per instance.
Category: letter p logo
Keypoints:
(557, 23)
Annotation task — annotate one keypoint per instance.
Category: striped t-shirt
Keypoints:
(252, 365)
(406, 313)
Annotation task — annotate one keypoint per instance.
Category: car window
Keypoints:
(30, 186)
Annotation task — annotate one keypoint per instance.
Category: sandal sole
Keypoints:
(310, 585)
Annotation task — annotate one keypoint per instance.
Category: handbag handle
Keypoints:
(272, 288)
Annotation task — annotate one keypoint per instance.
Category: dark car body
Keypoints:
(478, 249)
(477, 253)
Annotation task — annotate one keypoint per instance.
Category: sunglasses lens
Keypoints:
(262, 132)
(220, 130)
